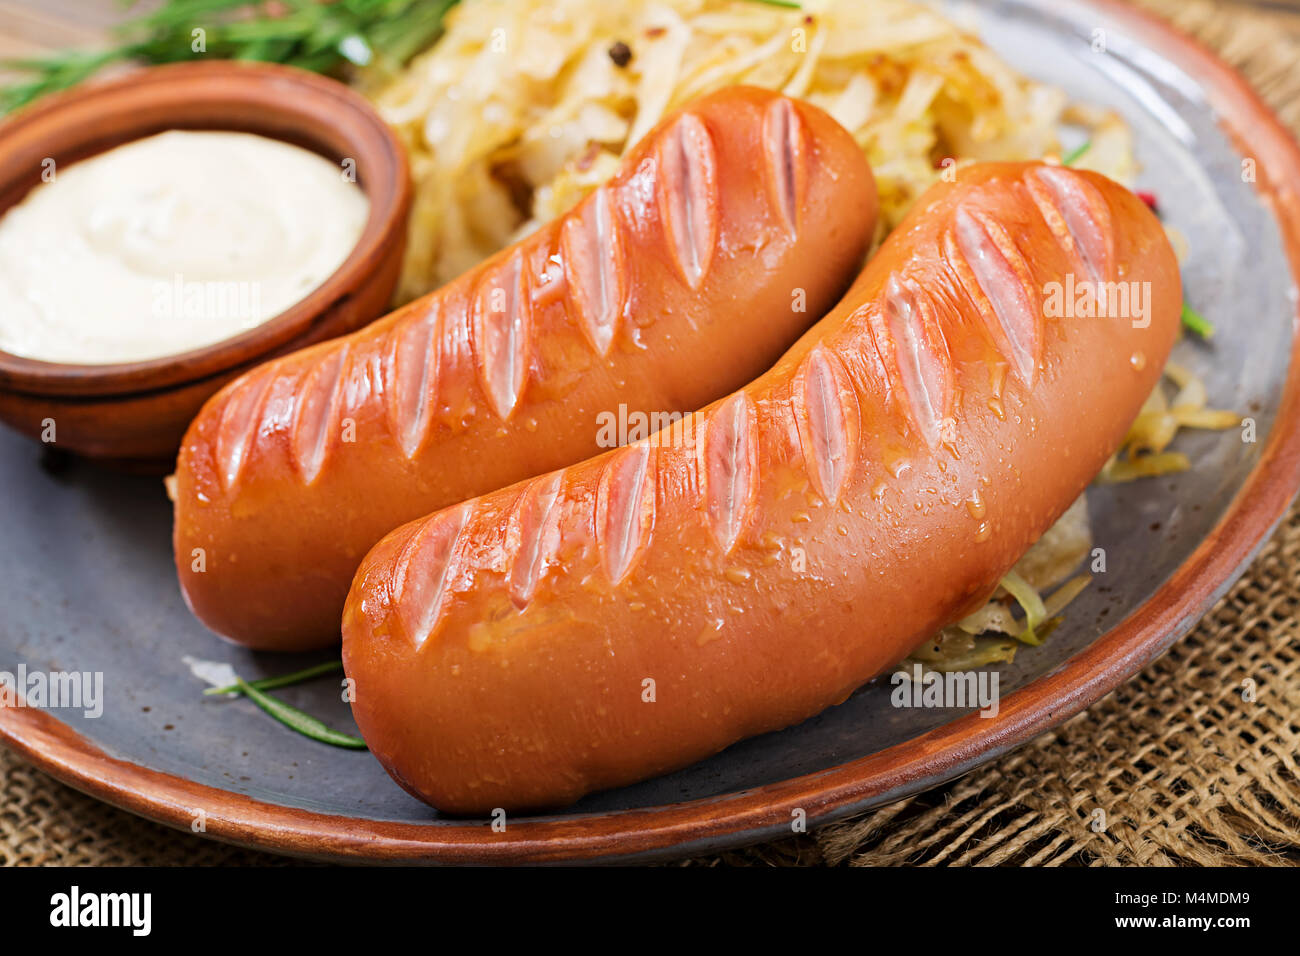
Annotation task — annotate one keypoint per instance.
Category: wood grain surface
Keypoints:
(37, 26)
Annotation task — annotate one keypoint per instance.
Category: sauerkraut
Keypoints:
(1145, 450)
(524, 106)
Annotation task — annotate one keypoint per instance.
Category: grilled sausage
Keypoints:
(636, 612)
(731, 227)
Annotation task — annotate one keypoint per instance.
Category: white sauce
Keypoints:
(169, 244)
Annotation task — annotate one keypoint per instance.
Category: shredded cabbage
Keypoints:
(1144, 452)
(520, 110)
(1030, 602)
(991, 634)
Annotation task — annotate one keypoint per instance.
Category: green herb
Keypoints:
(285, 680)
(1032, 604)
(319, 36)
(1197, 323)
(1074, 155)
(295, 719)
(787, 4)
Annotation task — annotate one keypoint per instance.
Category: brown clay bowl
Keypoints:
(137, 412)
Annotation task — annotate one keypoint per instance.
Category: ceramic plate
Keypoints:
(87, 583)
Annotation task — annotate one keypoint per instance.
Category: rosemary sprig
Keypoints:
(295, 719)
(1194, 322)
(287, 714)
(1076, 154)
(284, 680)
(319, 36)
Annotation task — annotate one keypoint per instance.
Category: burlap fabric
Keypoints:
(1184, 769)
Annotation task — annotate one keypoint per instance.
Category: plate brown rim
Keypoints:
(751, 815)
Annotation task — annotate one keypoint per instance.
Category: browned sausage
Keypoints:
(644, 609)
(730, 228)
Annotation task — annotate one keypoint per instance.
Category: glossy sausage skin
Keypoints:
(731, 227)
(644, 609)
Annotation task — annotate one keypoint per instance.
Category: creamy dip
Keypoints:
(170, 243)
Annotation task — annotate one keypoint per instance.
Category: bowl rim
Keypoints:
(280, 93)
(765, 812)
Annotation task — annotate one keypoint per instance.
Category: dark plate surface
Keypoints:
(87, 583)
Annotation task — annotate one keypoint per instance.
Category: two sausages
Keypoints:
(644, 609)
(729, 230)
(736, 573)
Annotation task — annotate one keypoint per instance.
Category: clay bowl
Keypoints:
(137, 412)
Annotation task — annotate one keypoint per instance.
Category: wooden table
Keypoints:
(29, 27)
